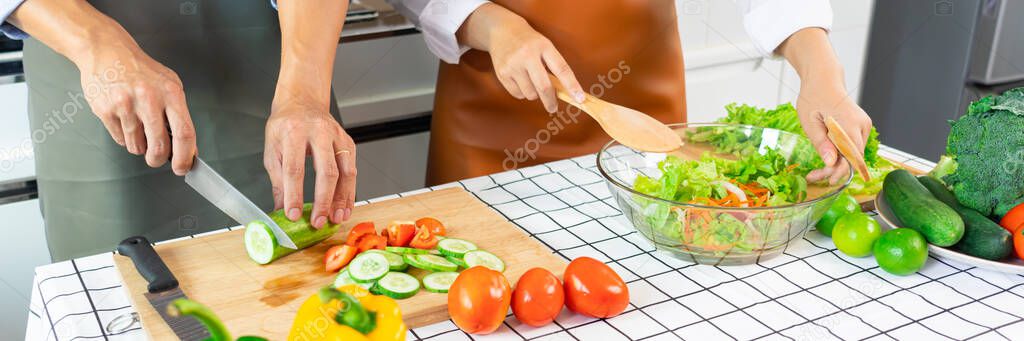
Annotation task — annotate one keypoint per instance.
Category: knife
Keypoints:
(227, 198)
(163, 287)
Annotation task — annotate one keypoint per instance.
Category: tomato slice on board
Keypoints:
(360, 229)
(338, 256)
(424, 239)
(371, 241)
(400, 233)
(435, 226)
(1013, 218)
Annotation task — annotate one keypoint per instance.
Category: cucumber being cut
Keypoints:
(406, 250)
(485, 259)
(344, 278)
(397, 285)
(458, 261)
(395, 262)
(368, 267)
(455, 247)
(263, 248)
(439, 282)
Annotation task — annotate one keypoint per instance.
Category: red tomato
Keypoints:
(435, 226)
(1018, 242)
(478, 300)
(538, 297)
(371, 241)
(423, 239)
(1013, 218)
(594, 289)
(360, 229)
(400, 233)
(338, 256)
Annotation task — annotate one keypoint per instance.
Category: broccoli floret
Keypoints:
(987, 149)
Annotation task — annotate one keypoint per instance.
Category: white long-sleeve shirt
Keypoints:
(768, 22)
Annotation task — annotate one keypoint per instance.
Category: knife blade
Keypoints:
(163, 287)
(227, 198)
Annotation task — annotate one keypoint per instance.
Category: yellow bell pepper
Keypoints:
(348, 313)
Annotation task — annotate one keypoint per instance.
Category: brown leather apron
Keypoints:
(626, 52)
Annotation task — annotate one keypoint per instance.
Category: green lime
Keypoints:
(855, 234)
(842, 205)
(901, 251)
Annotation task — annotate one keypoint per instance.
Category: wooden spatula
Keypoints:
(630, 127)
(846, 147)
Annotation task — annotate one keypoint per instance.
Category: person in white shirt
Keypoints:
(496, 53)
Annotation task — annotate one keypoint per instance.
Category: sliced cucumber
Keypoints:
(485, 259)
(397, 285)
(439, 282)
(344, 278)
(455, 247)
(368, 267)
(260, 243)
(436, 263)
(406, 250)
(458, 261)
(413, 261)
(395, 262)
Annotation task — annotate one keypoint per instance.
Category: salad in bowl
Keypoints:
(732, 194)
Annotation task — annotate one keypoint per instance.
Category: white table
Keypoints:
(809, 292)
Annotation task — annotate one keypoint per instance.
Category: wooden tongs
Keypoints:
(846, 147)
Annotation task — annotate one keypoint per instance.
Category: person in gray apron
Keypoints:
(228, 57)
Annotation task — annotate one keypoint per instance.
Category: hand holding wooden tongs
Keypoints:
(846, 147)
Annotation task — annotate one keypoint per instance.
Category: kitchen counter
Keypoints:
(809, 292)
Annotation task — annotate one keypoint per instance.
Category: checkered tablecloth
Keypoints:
(811, 292)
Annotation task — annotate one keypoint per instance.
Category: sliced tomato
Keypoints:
(424, 239)
(338, 256)
(371, 241)
(400, 233)
(435, 226)
(1013, 218)
(360, 229)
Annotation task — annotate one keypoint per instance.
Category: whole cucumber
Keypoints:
(982, 238)
(920, 210)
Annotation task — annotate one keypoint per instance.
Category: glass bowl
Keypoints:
(694, 232)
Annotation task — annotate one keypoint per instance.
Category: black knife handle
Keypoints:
(148, 263)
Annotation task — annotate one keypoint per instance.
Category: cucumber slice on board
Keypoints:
(344, 278)
(439, 282)
(406, 250)
(413, 262)
(485, 259)
(368, 267)
(397, 285)
(395, 262)
(436, 263)
(455, 247)
(458, 261)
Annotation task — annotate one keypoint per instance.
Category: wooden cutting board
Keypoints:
(262, 300)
